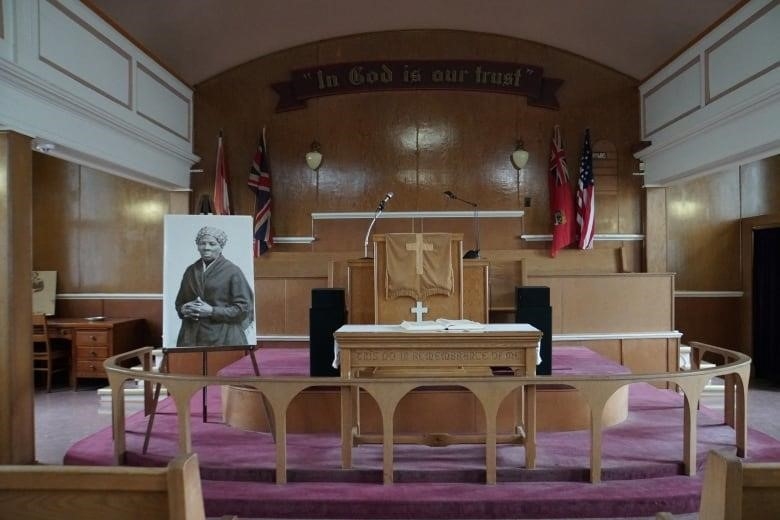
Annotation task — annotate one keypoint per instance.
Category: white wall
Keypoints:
(68, 78)
(717, 105)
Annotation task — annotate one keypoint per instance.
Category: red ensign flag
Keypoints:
(561, 197)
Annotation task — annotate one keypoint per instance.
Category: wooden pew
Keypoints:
(115, 492)
(737, 490)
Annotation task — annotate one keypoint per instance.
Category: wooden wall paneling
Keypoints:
(240, 102)
(703, 224)
(459, 140)
(715, 321)
(56, 220)
(297, 301)
(609, 348)
(607, 218)
(348, 235)
(644, 356)
(131, 244)
(476, 290)
(655, 217)
(760, 187)
(151, 311)
(360, 291)
(610, 302)
(605, 169)
(269, 313)
(79, 308)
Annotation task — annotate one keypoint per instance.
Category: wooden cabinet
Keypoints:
(92, 342)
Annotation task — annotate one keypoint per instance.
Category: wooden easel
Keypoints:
(151, 404)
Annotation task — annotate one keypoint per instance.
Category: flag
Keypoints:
(260, 183)
(561, 197)
(221, 195)
(585, 196)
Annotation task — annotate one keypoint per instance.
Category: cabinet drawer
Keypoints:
(92, 353)
(86, 338)
(90, 368)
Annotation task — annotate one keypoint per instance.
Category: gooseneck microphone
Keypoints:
(384, 201)
(473, 253)
(379, 209)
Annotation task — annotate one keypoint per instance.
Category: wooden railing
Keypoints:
(279, 392)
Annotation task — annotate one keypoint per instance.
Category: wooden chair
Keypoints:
(738, 490)
(115, 492)
(48, 358)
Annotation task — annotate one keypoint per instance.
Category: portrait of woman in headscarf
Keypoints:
(215, 302)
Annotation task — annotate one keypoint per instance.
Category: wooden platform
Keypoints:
(424, 411)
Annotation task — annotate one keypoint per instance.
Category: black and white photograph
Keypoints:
(208, 281)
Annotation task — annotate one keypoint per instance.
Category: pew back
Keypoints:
(102, 492)
(738, 490)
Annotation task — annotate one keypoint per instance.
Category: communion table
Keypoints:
(392, 351)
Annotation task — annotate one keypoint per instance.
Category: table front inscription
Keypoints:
(453, 356)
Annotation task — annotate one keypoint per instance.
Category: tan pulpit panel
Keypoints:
(422, 282)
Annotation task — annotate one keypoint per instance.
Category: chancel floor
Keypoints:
(64, 417)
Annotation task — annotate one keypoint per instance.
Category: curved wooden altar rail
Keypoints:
(489, 391)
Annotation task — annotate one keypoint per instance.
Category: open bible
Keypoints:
(442, 324)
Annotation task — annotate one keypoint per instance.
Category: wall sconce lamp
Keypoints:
(314, 157)
(519, 157)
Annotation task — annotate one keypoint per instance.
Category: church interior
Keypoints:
(409, 153)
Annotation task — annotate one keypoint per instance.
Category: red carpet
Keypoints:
(641, 457)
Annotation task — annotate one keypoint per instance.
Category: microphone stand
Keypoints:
(474, 253)
(379, 211)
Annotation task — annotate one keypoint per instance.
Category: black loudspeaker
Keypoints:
(327, 299)
(326, 315)
(533, 296)
(533, 307)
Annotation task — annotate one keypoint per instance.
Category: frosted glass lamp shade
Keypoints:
(314, 157)
(519, 157)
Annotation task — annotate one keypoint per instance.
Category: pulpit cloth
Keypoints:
(420, 271)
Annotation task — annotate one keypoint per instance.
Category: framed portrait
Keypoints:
(44, 292)
(208, 281)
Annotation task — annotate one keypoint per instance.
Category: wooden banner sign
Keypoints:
(371, 76)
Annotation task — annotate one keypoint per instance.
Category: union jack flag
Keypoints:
(260, 183)
(586, 196)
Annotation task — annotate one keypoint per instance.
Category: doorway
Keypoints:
(766, 303)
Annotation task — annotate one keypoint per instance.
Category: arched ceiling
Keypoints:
(198, 39)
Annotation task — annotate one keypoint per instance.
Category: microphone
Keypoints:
(384, 201)
(472, 253)
(379, 209)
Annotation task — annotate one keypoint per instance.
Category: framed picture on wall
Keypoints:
(208, 281)
(44, 292)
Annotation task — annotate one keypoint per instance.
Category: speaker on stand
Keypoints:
(326, 315)
(533, 307)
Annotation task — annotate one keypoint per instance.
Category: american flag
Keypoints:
(561, 196)
(221, 195)
(260, 183)
(585, 196)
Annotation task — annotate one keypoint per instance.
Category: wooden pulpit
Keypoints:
(417, 256)
(366, 290)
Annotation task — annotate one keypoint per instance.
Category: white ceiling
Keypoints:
(198, 39)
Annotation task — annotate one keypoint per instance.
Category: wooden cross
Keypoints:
(419, 310)
(418, 247)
